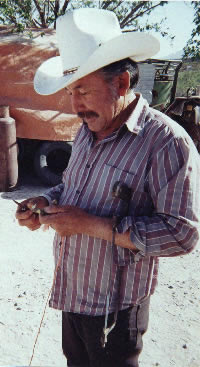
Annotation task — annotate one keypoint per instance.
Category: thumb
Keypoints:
(31, 203)
(53, 209)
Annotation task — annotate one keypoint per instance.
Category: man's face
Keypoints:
(96, 102)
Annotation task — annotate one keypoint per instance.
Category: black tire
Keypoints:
(50, 161)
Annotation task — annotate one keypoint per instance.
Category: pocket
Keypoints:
(140, 201)
(113, 205)
(138, 322)
(143, 316)
(117, 174)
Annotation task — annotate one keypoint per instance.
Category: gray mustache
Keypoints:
(87, 114)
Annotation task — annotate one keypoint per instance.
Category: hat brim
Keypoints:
(49, 77)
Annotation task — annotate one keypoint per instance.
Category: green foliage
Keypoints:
(189, 77)
(17, 13)
(192, 49)
(132, 15)
(31, 13)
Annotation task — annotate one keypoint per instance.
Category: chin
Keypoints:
(92, 128)
(92, 125)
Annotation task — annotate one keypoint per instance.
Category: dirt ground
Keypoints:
(26, 273)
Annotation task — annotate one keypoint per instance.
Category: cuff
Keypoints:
(128, 223)
(48, 198)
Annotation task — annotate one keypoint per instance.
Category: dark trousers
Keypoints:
(81, 338)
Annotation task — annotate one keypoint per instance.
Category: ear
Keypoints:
(124, 83)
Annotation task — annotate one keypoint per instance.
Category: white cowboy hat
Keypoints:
(89, 39)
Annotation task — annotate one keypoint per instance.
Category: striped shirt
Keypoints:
(157, 159)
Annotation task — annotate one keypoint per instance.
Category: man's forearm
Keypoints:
(101, 227)
(69, 220)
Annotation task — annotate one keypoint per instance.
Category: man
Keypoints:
(130, 193)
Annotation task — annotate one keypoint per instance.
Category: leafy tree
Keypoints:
(132, 15)
(31, 13)
(192, 49)
(188, 78)
(16, 13)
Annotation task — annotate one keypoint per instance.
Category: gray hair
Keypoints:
(119, 67)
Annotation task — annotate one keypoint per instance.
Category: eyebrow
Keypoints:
(77, 87)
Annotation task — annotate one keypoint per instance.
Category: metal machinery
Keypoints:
(184, 110)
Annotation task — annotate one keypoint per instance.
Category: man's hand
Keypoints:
(69, 220)
(26, 217)
(65, 220)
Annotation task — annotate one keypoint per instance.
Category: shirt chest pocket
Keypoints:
(114, 174)
(139, 201)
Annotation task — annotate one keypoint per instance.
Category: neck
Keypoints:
(125, 109)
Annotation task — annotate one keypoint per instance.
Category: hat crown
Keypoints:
(88, 40)
(81, 32)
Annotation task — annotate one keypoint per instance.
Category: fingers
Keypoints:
(23, 214)
(38, 203)
(22, 206)
(52, 214)
(26, 207)
(50, 219)
(32, 222)
(26, 217)
(65, 220)
(53, 209)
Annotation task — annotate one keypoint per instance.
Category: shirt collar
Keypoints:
(136, 120)
(134, 123)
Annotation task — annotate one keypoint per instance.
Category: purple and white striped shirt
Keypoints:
(156, 158)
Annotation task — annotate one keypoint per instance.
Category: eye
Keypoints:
(83, 92)
(68, 91)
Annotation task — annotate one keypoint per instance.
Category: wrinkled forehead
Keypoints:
(94, 79)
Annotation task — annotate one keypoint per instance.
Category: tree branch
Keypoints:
(51, 6)
(13, 19)
(41, 13)
(131, 13)
(65, 5)
(21, 6)
(125, 22)
(145, 11)
(56, 8)
(120, 3)
(105, 4)
(37, 23)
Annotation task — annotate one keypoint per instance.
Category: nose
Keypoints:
(77, 103)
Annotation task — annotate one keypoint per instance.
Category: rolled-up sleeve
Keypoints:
(54, 193)
(173, 182)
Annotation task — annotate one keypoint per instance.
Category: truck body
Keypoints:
(45, 125)
(37, 117)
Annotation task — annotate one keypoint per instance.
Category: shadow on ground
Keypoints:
(28, 185)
